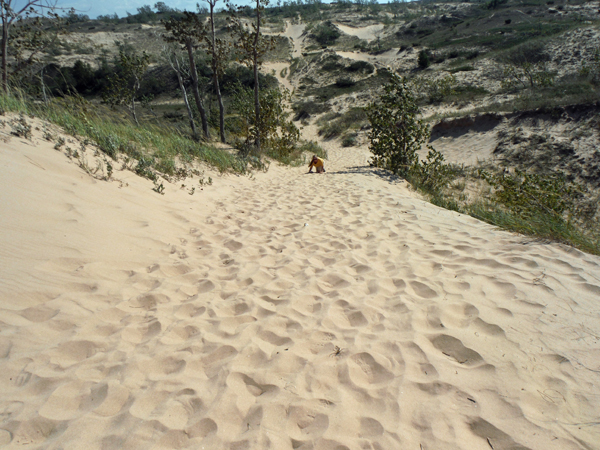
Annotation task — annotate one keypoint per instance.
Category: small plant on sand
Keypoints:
(526, 66)
(20, 127)
(203, 182)
(59, 143)
(109, 169)
(435, 90)
(47, 135)
(144, 168)
(159, 187)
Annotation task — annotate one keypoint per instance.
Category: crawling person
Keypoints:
(317, 163)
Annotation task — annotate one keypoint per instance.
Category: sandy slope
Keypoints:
(131, 320)
(368, 33)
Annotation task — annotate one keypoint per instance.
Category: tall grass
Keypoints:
(162, 147)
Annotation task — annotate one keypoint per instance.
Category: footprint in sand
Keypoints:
(305, 423)
(37, 430)
(73, 399)
(370, 428)
(365, 371)
(73, 352)
(454, 349)
(137, 333)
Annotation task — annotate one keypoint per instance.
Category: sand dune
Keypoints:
(368, 33)
(288, 311)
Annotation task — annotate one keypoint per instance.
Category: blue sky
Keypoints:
(121, 7)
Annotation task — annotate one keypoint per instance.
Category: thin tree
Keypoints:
(217, 50)
(9, 15)
(123, 86)
(175, 60)
(189, 32)
(252, 47)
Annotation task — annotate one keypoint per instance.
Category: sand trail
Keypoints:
(290, 311)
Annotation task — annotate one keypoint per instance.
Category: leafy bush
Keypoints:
(527, 75)
(527, 194)
(333, 125)
(349, 140)
(344, 82)
(526, 65)
(326, 33)
(396, 133)
(361, 66)
(436, 90)
(431, 175)
(279, 136)
(304, 110)
(423, 59)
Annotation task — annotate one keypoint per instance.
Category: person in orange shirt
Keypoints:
(317, 163)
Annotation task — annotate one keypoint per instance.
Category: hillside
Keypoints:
(336, 58)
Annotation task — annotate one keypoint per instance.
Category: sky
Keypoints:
(121, 7)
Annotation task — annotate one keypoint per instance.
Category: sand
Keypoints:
(282, 311)
(368, 33)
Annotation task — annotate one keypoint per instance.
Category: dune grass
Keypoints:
(161, 148)
(538, 222)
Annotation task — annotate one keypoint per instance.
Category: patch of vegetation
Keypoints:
(462, 69)
(301, 154)
(545, 206)
(325, 93)
(344, 82)
(279, 135)
(424, 59)
(334, 124)
(326, 33)
(305, 110)
(361, 66)
(157, 146)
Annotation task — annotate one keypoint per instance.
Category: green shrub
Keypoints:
(334, 124)
(423, 59)
(344, 82)
(279, 136)
(349, 140)
(435, 90)
(304, 110)
(326, 33)
(591, 69)
(527, 194)
(396, 133)
(361, 66)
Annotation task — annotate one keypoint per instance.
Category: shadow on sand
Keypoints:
(369, 171)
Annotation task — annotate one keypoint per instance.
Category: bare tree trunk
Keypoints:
(196, 91)
(43, 87)
(256, 87)
(133, 111)
(4, 45)
(185, 99)
(215, 64)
